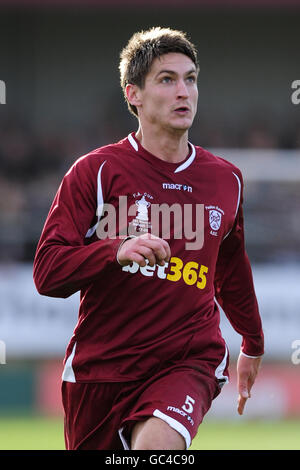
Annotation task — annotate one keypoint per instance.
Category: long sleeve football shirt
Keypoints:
(135, 320)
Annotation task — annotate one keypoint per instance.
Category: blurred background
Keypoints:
(61, 99)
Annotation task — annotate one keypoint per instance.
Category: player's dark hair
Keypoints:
(143, 48)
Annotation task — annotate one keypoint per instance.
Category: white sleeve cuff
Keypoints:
(251, 357)
(123, 241)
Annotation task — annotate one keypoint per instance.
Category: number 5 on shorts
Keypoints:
(189, 405)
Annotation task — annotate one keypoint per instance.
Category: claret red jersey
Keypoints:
(136, 320)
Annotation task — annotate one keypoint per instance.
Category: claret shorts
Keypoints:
(100, 416)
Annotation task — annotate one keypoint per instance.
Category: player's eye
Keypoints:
(166, 80)
(191, 79)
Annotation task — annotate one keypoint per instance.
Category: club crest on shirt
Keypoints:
(215, 218)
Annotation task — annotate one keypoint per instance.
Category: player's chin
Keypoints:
(182, 124)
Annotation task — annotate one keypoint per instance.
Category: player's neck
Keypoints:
(168, 146)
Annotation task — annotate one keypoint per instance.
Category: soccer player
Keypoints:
(150, 230)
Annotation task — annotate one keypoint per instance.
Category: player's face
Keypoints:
(169, 97)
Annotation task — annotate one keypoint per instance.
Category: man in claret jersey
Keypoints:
(147, 357)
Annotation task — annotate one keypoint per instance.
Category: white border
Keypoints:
(239, 195)
(170, 421)
(100, 203)
(219, 372)
(247, 355)
(68, 372)
(189, 161)
(174, 425)
(238, 201)
(181, 167)
(124, 442)
(133, 142)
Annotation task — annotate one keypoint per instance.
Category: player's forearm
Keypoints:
(60, 271)
(238, 300)
(245, 319)
(253, 345)
(235, 292)
(247, 323)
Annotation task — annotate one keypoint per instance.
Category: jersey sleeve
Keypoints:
(63, 262)
(234, 287)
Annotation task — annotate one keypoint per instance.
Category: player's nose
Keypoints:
(182, 89)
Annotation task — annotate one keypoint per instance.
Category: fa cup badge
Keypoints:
(141, 221)
(142, 205)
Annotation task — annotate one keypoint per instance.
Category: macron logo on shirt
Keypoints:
(178, 187)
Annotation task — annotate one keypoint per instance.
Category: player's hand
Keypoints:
(143, 248)
(247, 369)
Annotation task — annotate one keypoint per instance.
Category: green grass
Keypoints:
(31, 433)
(249, 435)
(36, 433)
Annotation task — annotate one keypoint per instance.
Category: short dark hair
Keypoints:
(143, 47)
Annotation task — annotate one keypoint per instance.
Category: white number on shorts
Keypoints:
(189, 404)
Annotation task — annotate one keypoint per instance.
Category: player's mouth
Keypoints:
(182, 110)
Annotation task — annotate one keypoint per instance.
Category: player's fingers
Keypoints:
(243, 397)
(160, 248)
(153, 238)
(166, 247)
(241, 404)
(152, 248)
(158, 251)
(250, 385)
(147, 253)
(139, 259)
(133, 251)
(168, 250)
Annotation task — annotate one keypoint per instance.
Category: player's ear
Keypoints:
(133, 94)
